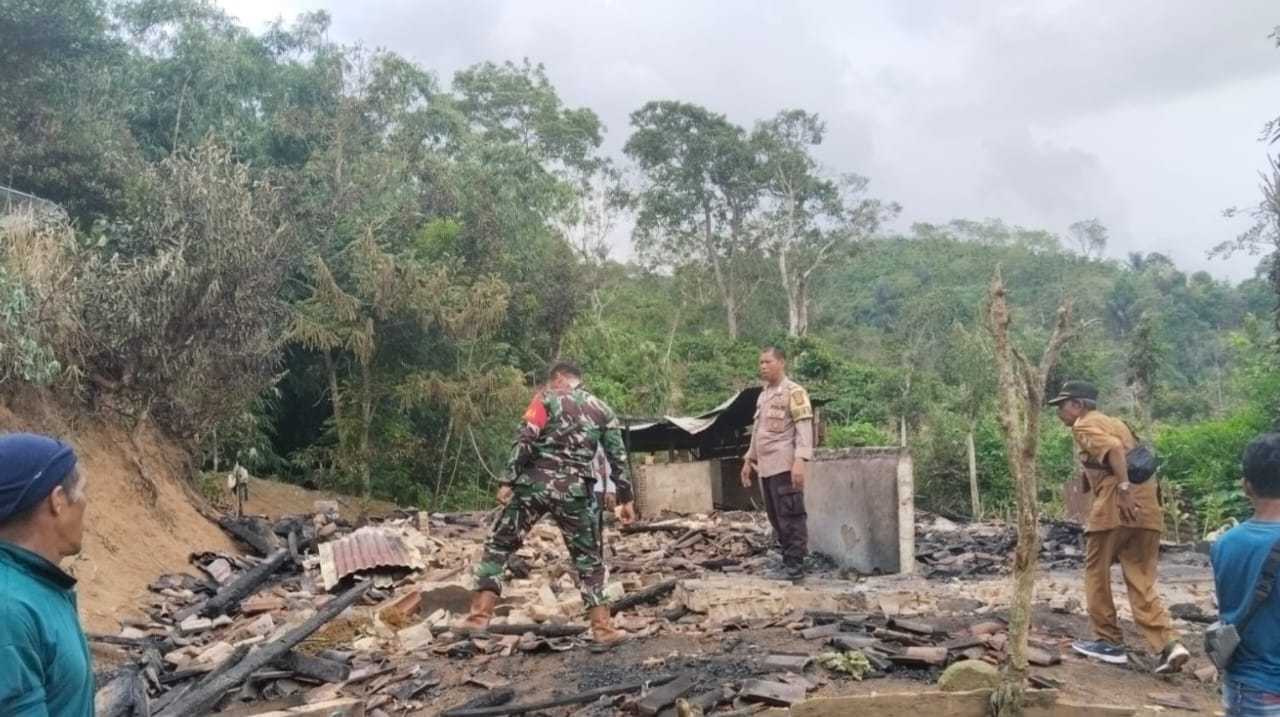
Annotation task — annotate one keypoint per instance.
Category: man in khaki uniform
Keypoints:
(1123, 526)
(781, 448)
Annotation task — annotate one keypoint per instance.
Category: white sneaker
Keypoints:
(1172, 658)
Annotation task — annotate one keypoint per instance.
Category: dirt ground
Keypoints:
(273, 499)
(140, 523)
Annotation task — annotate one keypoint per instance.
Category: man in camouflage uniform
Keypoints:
(550, 473)
(780, 451)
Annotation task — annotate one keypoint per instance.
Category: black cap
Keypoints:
(1075, 390)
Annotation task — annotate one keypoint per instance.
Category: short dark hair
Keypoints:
(776, 351)
(564, 367)
(1261, 464)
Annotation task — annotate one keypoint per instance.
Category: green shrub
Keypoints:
(857, 433)
(1203, 461)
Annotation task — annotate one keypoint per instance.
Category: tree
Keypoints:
(1263, 235)
(967, 368)
(809, 219)
(186, 292)
(1091, 236)
(1021, 398)
(390, 295)
(62, 130)
(916, 340)
(1146, 354)
(587, 228)
(697, 192)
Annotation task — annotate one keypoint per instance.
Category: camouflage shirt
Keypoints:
(557, 440)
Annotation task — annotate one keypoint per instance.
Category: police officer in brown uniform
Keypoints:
(781, 448)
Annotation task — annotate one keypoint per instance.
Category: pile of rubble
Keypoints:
(945, 549)
(333, 614)
(355, 619)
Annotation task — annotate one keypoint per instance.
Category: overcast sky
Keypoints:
(1142, 113)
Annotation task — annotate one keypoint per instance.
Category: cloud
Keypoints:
(1058, 185)
(1040, 113)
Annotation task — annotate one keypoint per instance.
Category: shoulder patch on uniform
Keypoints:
(801, 409)
(536, 414)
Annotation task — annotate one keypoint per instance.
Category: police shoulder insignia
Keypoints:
(801, 409)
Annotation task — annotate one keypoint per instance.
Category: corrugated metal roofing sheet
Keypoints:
(369, 548)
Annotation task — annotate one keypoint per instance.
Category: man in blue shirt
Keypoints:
(1251, 685)
(45, 658)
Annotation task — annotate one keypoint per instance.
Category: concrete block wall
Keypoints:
(861, 507)
(682, 488)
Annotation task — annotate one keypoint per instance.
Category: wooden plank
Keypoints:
(1174, 700)
(975, 703)
(1074, 709)
(332, 708)
(650, 594)
(664, 696)
(203, 697)
(297, 699)
(778, 694)
(241, 588)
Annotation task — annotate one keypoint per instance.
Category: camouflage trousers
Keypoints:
(574, 511)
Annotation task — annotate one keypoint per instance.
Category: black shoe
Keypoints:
(791, 570)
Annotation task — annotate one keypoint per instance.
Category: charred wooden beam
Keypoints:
(206, 695)
(576, 699)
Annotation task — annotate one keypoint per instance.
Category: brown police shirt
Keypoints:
(1095, 434)
(783, 428)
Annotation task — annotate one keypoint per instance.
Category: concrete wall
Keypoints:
(861, 507)
(675, 487)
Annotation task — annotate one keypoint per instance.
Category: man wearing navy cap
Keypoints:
(1123, 526)
(46, 669)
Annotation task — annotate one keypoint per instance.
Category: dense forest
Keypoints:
(334, 266)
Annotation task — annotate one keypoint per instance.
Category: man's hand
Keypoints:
(1128, 506)
(628, 512)
(610, 501)
(747, 467)
(505, 493)
(797, 473)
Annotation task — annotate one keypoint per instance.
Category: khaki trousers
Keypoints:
(1138, 552)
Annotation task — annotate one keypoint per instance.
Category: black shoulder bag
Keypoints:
(1141, 461)
(1223, 638)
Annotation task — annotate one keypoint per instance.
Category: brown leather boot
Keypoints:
(477, 620)
(604, 633)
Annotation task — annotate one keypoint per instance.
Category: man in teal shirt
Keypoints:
(1251, 685)
(44, 659)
